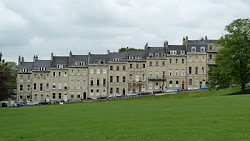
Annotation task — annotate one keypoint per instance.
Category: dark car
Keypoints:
(44, 103)
(204, 87)
(158, 92)
(177, 90)
(144, 93)
(103, 97)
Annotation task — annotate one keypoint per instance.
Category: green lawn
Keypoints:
(204, 115)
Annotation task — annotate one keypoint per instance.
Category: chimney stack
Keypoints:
(51, 56)
(34, 58)
(108, 51)
(166, 44)
(70, 53)
(206, 38)
(186, 38)
(22, 59)
(19, 60)
(146, 46)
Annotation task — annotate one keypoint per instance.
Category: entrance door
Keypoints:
(47, 98)
(28, 98)
(182, 86)
(65, 98)
(163, 86)
(84, 95)
(123, 91)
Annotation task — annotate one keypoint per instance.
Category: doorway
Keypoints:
(84, 95)
(65, 98)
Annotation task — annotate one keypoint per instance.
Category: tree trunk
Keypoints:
(243, 88)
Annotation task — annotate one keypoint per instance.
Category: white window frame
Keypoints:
(193, 49)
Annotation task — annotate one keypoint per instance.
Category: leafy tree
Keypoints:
(233, 60)
(123, 49)
(6, 84)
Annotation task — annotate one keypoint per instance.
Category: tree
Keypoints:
(233, 60)
(123, 49)
(6, 85)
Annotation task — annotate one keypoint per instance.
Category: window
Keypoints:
(163, 74)
(156, 85)
(111, 68)
(210, 56)
(190, 59)
(78, 84)
(163, 55)
(21, 77)
(28, 88)
(47, 87)
(41, 97)
(104, 71)
(111, 90)
(84, 84)
(47, 76)
(177, 84)
(91, 82)
(91, 92)
(137, 66)
(91, 71)
(117, 68)
(59, 95)
(170, 61)
(137, 77)
(182, 52)
(59, 74)
(193, 49)
(104, 82)
(143, 77)
(163, 63)
(182, 61)
(35, 76)
(176, 61)
(130, 77)
(59, 86)
(60, 66)
(28, 77)
(202, 49)
(54, 74)
(156, 54)
(72, 94)
(111, 78)
(170, 84)
(156, 74)
(203, 59)
(54, 85)
(124, 68)
(144, 66)
(211, 48)
(41, 86)
(170, 72)
(190, 82)
(203, 70)
(173, 52)
(176, 72)
(196, 70)
(34, 86)
(190, 70)
(65, 85)
(150, 74)
(41, 76)
(54, 96)
(78, 72)
(72, 84)
(117, 78)
(131, 66)
(78, 95)
(196, 59)
(156, 63)
(150, 63)
(84, 72)
(98, 82)
(35, 97)
(72, 72)
(150, 54)
(182, 72)
(97, 71)
(117, 90)
(150, 85)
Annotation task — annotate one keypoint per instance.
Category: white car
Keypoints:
(30, 103)
(115, 95)
(131, 94)
(171, 91)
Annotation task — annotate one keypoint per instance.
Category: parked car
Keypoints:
(115, 95)
(204, 87)
(158, 92)
(177, 90)
(131, 94)
(31, 103)
(103, 97)
(44, 103)
(171, 90)
(20, 104)
(144, 93)
(192, 88)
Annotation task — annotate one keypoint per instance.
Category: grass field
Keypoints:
(190, 116)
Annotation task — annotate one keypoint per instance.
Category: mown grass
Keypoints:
(203, 115)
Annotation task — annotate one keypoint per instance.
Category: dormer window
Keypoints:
(163, 55)
(193, 49)
(182, 52)
(157, 55)
(60, 66)
(173, 52)
(150, 54)
(202, 49)
(43, 69)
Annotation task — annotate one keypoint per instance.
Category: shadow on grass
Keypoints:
(239, 93)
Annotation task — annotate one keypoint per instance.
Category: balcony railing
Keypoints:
(157, 78)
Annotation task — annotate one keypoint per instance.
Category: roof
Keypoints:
(212, 41)
(122, 55)
(98, 58)
(137, 53)
(25, 65)
(60, 60)
(197, 42)
(78, 58)
(41, 63)
(156, 49)
(176, 47)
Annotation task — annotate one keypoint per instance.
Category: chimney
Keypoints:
(19, 60)
(22, 59)
(70, 53)
(166, 44)
(34, 58)
(186, 38)
(51, 56)
(146, 45)
(206, 38)
(108, 51)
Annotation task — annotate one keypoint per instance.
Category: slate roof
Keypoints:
(137, 53)
(123, 56)
(156, 50)
(41, 63)
(60, 60)
(78, 58)
(197, 42)
(98, 57)
(212, 41)
(25, 65)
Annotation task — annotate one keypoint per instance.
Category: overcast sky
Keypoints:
(29, 27)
